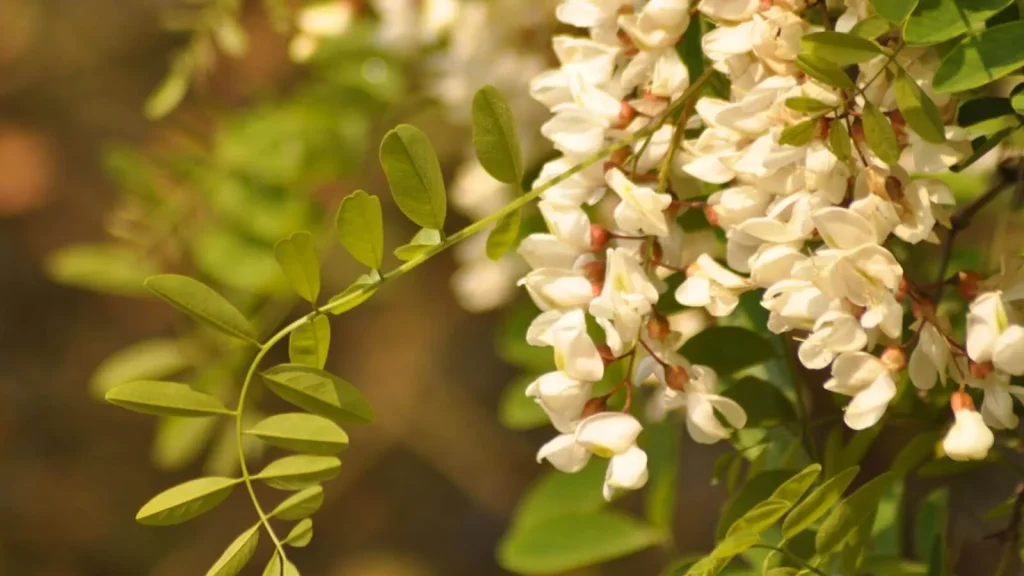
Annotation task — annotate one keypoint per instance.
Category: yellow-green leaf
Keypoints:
(808, 105)
(357, 293)
(179, 441)
(300, 505)
(800, 133)
(791, 490)
(823, 71)
(817, 503)
(146, 360)
(848, 515)
(185, 501)
(308, 344)
(879, 134)
(495, 138)
(171, 91)
(871, 27)
(423, 241)
(278, 568)
(202, 303)
(299, 472)
(360, 228)
(918, 109)
(503, 236)
(319, 392)
(237, 555)
(297, 257)
(301, 432)
(414, 176)
(108, 268)
(165, 399)
(301, 534)
(734, 544)
(839, 140)
(980, 59)
(896, 11)
(759, 518)
(935, 21)
(839, 48)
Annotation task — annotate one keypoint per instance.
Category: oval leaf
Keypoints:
(308, 344)
(297, 258)
(319, 392)
(847, 517)
(165, 399)
(108, 268)
(360, 227)
(146, 360)
(935, 21)
(918, 109)
(574, 541)
(357, 293)
(809, 105)
(879, 134)
(817, 503)
(839, 140)
(171, 91)
(824, 71)
(237, 554)
(800, 133)
(301, 432)
(299, 472)
(277, 568)
(495, 138)
(185, 501)
(300, 505)
(559, 494)
(871, 28)
(895, 11)
(301, 534)
(503, 236)
(414, 176)
(734, 544)
(728, 349)
(759, 518)
(419, 245)
(792, 489)
(981, 59)
(201, 303)
(840, 49)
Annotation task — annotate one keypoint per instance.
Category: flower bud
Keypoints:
(894, 359)
(626, 115)
(598, 237)
(903, 289)
(967, 284)
(657, 252)
(607, 355)
(961, 401)
(711, 215)
(894, 188)
(594, 271)
(657, 327)
(969, 438)
(981, 370)
(676, 377)
(595, 406)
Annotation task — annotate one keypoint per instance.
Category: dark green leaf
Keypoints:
(108, 268)
(414, 176)
(935, 21)
(824, 71)
(817, 503)
(896, 11)
(237, 555)
(164, 399)
(423, 241)
(980, 59)
(518, 412)
(300, 505)
(764, 404)
(918, 109)
(661, 443)
(808, 105)
(930, 526)
(299, 472)
(840, 49)
(800, 133)
(858, 446)
(848, 516)
(839, 140)
(306, 433)
(872, 27)
(1017, 98)
(202, 303)
(728, 349)
(301, 534)
(309, 344)
(879, 134)
(503, 236)
(574, 541)
(145, 360)
(360, 227)
(495, 138)
(319, 392)
(297, 257)
(185, 501)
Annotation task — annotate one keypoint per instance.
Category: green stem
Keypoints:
(792, 556)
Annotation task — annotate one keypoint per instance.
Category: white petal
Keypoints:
(969, 438)
(701, 422)
(626, 471)
(1008, 354)
(608, 433)
(868, 406)
(564, 454)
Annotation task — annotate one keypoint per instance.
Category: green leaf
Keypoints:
(357, 293)
(935, 21)
(495, 138)
(503, 236)
(846, 519)
(915, 452)
(301, 534)
(872, 27)
(414, 175)
(992, 126)
(171, 91)
(793, 489)
(360, 227)
(146, 360)
(559, 494)
(301, 432)
(661, 443)
(309, 344)
(319, 392)
(1017, 98)
(179, 441)
(299, 472)
(840, 49)
(808, 105)
(986, 146)
(757, 489)
(858, 446)
(930, 526)
(108, 268)
(817, 503)
(185, 501)
(298, 259)
(880, 135)
(800, 133)
(728, 349)
(164, 399)
(975, 110)
(895, 11)
(574, 541)
(735, 543)
(515, 410)
(202, 303)
(276, 568)
(300, 505)
(824, 71)
(760, 517)
(423, 241)
(918, 109)
(839, 140)
(237, 555)
(764, 404)
(980, 59)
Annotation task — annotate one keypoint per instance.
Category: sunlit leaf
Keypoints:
(164, 399)
(879, 134)
(202, 303)
(145, 360)
(185, 501)
(759, 518)
(299, 472)
(817, 503)
(935, 21)
(297, 257)
(179, 441)
(301, 534)
(800, 133)
(109, 268)
(918, 109)
(735, 543)
(987, 145)
(839, 48)
(300, 505)
(896, 11)
(495, 138)
(857, 508)
(357, 293)
(558, 494)
(503, 236)
(423, 241)
(301, 432)
(824, 71)
(1017, 98)
(171, 91)
(278, 568)
(872, 27)
(237, 555)
(757, 489)
(319, 392)
(980, 59)
(360, 228)
(414, 176)
(309, 344)
(794, 488)
(808, 105)
(764, 404)
(839, 140)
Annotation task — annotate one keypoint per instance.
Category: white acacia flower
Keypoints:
(713, 286)
(584, 187)
(834, 332)
(641, 209)
(613, 435)
(774, 263)
(553, 288)
(969, 438)
(997, 406)
(868, 381)
(930, 359)
(701, 404)
(737, 204)
(730, 10)
(628, 293)
(567, 222)
(992, 337)
(776, 38)
(598, 15)
(562, 398)
(659, 24)
(794, 304)
(575, 352)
